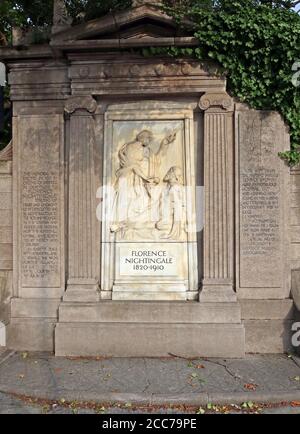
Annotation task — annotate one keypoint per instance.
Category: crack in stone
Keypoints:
(233, 375)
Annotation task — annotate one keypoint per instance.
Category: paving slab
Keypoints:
(41, 376)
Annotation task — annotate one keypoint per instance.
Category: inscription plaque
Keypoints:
(154, 262)
(40, 206)
(260, 219)
(40, 229)
(261, 211)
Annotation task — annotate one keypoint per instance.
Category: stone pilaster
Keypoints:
(218, 284)
(83, 283)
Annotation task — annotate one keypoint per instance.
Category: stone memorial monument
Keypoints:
(150, 210)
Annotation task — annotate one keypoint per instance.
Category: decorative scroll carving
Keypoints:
(7, 153)
(81, 103)
(216, 101)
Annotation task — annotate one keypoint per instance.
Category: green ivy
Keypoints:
(256, 45)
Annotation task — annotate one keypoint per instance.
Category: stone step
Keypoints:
(150, 340)
(151, 312)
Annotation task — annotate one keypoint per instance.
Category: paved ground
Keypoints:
(41, 383)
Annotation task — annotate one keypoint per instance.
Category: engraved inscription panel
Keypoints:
(152, 260)
(40, 189)
(40, 260)
(260, 189)
(261, 202)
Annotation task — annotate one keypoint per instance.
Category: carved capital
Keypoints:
(216, 101)
(81, 103)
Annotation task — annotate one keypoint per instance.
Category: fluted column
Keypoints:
(83, 284)
(218, 284)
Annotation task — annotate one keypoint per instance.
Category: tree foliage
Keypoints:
(255, 41)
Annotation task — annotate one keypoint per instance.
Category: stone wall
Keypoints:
(295, 218)
(268, 323)
(266, 252)
(6, 233)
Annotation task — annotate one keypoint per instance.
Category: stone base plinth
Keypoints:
(149, 329)
(150, 312)
(32, 324)
(150, 340)
(31, 334)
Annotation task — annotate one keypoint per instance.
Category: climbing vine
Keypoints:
(258, 47)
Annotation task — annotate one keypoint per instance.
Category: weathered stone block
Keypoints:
(150, 312)
(31, 335)
(268, 336)
(267, 309)
(34, 308)
(148, 340)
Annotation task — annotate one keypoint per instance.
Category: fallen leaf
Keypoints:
(101, 410)
(201, 411)
(248, 404)
(250, 386)
(24, 355)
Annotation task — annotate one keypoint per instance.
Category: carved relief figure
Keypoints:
(137, 178)
(172, 206)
